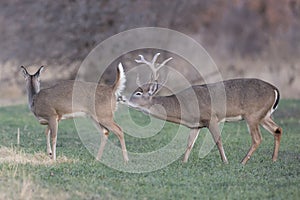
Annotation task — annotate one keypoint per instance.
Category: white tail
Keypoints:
(120, 81)
(250, 99)
(53, 104)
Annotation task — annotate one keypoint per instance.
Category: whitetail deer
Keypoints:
(250, 99)
(53, 104)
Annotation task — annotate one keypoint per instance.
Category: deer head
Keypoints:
(32, 83)
(144, 93)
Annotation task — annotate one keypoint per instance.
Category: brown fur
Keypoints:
(207, 105)
(53, 104)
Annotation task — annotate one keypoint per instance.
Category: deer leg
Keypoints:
(215, 131)
(191, 141)
(104, 137)
(276, 131)
(256, 140)
(47, 133)
(119, 133)
(53, 126)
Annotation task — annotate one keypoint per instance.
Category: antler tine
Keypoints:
(154, 67)
(142, 60)
(150, 64)
(155, 58)
(160, 66)
(163, 63)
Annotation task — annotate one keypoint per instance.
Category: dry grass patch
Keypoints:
(12, 155)
(14, 186)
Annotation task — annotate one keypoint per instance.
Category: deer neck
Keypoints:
(166, 108)
(32, 87)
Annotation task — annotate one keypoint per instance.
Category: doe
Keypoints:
(53, 104)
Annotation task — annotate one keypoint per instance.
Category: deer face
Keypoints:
(142, 96)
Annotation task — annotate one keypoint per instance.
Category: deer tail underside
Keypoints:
(119, 84)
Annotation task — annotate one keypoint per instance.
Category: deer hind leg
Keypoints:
(276, 131)
(47, 133)
(215, 131)
(112, 126)
(104, 137)
(256, 140)
(53, 126)
(191, 141)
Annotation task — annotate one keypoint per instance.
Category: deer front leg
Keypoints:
(215, 131)
(256, 140)
(191, 141)
(47, 133)
(53, 126)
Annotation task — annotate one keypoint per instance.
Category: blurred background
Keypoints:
(257, 38)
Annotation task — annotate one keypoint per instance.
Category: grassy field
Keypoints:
(27, 173)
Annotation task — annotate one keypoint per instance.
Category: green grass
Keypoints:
(77, 175)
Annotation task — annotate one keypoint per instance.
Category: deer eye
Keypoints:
(138, 94)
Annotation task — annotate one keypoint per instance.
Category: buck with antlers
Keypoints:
(56, 103)
(198, 106)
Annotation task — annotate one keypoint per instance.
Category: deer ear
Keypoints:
(37, 74)
(153, 88)
(24, 72)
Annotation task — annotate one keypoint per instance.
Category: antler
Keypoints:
(154, 67)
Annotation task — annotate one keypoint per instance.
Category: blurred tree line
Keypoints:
(61, 32)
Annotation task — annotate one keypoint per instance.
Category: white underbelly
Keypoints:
(73, 115)
(232, 119)
(65, 116)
